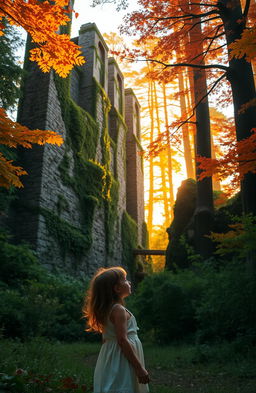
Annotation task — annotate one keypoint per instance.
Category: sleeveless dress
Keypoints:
(113, 372)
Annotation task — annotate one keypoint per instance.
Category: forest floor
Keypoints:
(176, 368)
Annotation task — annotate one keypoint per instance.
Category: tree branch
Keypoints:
(186, 16)
(199, 102)
(221, 67)
(209, 50)
(211, 41)
(204, 4)
(203, 21)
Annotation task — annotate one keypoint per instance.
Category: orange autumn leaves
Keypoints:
(239, 160)
(42, 21)
(13, 134)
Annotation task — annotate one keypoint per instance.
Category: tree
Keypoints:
(10, 70)
(222, 23)
(42, 20)
(51, 50)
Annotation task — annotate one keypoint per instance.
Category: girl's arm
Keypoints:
(119, 319)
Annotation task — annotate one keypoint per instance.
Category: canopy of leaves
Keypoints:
(42, 19)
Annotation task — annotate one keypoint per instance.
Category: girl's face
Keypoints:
(123, 288)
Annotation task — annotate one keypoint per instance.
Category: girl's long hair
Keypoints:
(101, 296)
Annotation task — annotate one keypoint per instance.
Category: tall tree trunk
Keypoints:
(190, 103)
(215, 180)
(240, 76)
(185, 129)
(161, 162)
(151, 163)
(204, 208)
(169, 152)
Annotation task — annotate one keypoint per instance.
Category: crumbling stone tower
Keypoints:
(82, 204)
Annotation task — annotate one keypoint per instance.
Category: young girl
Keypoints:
(120, 365)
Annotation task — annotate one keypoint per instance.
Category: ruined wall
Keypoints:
(74, 198)
(134, 162)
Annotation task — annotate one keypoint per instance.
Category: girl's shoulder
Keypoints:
(116, 308)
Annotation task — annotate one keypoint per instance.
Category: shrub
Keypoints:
(18, 263)
(34, 302)
(164, 303)
(227, 306)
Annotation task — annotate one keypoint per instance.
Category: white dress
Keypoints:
(113, 372)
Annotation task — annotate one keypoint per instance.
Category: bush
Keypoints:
(214, 302)
(34, 302)
(227, 307)
(18, 263)
(165, 305)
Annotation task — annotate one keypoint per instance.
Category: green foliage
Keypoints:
(51, 308)
(240, 240)
(19, 264)
(214, 301)
(92, 182)
(44, 366)
(7, 195)
(10, 71)
(111, 213)
(227, 307)
(23, 381)
(69, 238)
(34, 302)
(164, 303)
(145, 237)
(179, 368)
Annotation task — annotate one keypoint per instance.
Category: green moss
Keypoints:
(87, 176)
(129, 231)
(111, 214)
(145, 237)
(62, 204)
(111, 191)
(70, 239)
(93, 182)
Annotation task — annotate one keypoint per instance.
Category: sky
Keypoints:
(106, 17)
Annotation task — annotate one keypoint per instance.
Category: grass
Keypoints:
(223, 368)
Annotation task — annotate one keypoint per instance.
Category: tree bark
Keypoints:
(151, 163)
(185, 129)
(204, 208)
(161, 163)
(169, 152)
(240, 76)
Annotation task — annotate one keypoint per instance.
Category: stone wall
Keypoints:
(49, 207)
(134, 163)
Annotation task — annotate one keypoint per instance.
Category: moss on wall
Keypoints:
(129, 231)
(145, 236)
(69, 238)
(92, 182)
